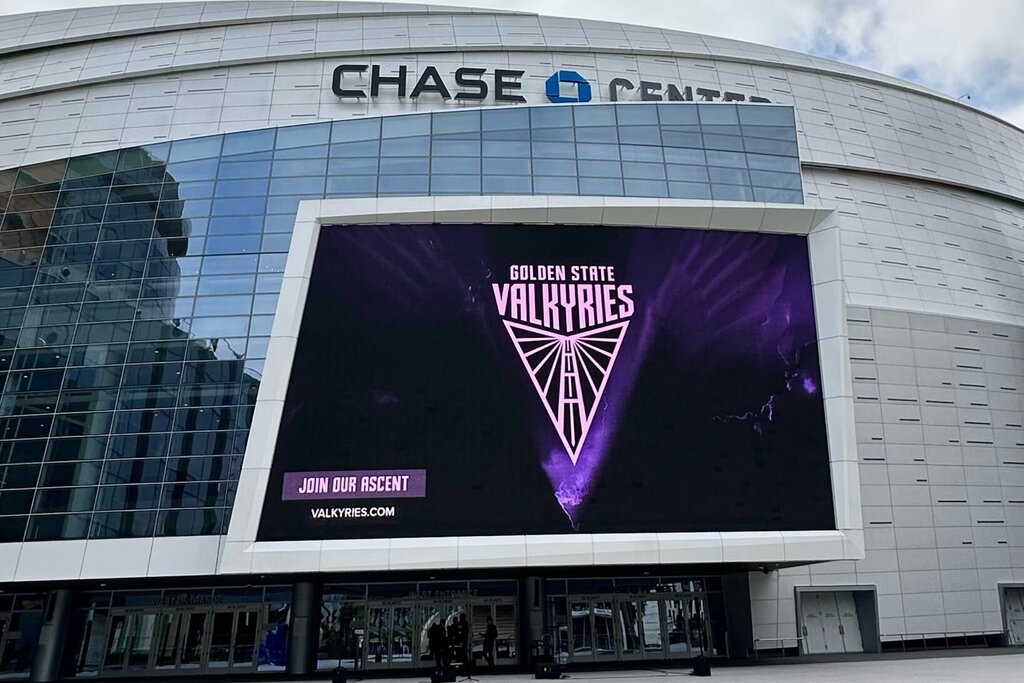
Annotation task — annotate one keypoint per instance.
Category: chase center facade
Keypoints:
(324, 322)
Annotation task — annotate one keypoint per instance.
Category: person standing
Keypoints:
(490, 638)
(435, 641)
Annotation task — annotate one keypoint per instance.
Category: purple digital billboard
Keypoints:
(505, 379)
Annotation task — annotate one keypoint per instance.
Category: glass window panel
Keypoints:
(400, 147)
(455, 122)
(234, 225)
(553, 135)
(717, 114)
(16, 502)
(640, 153)
(205, 169)
(507, 184)
(683, 190)
(562, 167)
(773, 163)
(91, 165)
(455, 184)
(726, 142)
(782, 181)
(403, 184)
(646, 188)
(248, 141)
(762, 194)
(137, 471)
(766, 115)
(594, 151)
(605, 134)
(729, 159)
(687, 173)
(648, 171)
(732, 176)
(554, 150)
(637, 114)
(275, 243)
(761, 146)
(353, 165)
(242, 188)
(138, 445)
(272, 263)
(244, 169)
(601, 186)
(678, 113)
(304, 135)
(260, 325)
(318, 153)
(147, 397)
(76, 499)
(366, 148)
(681, 139)
(234, 244)
(223, 305)
(191, 522)
(71, 473)
(226, 265)
(555, 185)
(128, 497)
(640, 135)
(551, 117)
(405, 165)
(123, 524)
(356, 186)
(291, 186)
(57, 527)
(405, 126)
(460, 145)
(506, 148)
(75, 448)
(774, 132)
(455, 165)
(19, 476)
(732, 193)
(364, 129)
(600, 169)
(299, 167)
(498, 166)
(594, 115)
(507, 118)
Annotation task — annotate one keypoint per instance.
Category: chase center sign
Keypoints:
(476, 84)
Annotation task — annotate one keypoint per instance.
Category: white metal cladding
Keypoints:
(195, 69)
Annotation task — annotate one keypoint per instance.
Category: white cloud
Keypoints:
(948, 45)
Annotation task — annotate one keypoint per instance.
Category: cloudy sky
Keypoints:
(955, 46)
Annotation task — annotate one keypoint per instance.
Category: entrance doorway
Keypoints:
(395, 633)
(830, 622)
(149, 641)
(1013, 611)
(608, 628)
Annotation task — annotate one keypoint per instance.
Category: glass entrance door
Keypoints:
(649, 627)
(174, 641)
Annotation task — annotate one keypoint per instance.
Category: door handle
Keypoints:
(842, 631)
(805, 631)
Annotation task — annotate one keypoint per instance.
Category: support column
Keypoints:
(531, 616)
(304, 631)
(56, 617)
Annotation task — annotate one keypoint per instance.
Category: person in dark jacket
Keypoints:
(490, 638)
(436, 643)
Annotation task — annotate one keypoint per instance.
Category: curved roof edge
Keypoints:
(70, 26)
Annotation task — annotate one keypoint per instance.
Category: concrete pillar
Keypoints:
(531, 615)
(56, 617)
(304, 630)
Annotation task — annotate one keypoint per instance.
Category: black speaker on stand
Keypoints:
(701, 666)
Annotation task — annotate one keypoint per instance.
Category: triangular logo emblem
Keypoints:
(567, 324)
(569, 372)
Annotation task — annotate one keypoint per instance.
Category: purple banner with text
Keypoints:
(354, 484)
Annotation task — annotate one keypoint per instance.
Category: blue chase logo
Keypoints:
(553, 87)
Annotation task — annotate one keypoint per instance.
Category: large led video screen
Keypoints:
(475, 380)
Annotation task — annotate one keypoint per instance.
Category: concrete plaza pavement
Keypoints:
(920, 668)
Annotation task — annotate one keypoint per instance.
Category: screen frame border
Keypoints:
(242, 553)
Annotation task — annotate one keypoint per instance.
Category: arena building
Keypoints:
(333, 333)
